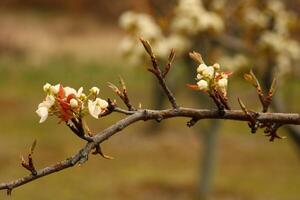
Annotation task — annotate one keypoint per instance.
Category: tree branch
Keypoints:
(134, 116)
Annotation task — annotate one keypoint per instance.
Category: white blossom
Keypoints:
(44, 107)
(42, 113)
(97, 107)
(202, 85)
(69, 90)
(208, 72)
(201, 68)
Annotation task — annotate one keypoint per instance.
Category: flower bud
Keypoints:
(95, 90)
(201, 68)
(202, 84)
(216, 66)
(83, 97)
(199, 76)
(73, 103)
(223, 82)
(208, 72)
(46, 87)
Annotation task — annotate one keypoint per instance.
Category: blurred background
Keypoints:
(89, 43)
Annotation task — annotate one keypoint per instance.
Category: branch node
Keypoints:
(192, 122)
(122, 93)
(271, 131)
(29, 163)
(265, 100)
(8, 191)
(98, 150)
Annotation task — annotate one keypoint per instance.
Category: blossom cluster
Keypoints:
(66, 103)
(211, 79)
(140, 24)
(277, 40)
(190, 18)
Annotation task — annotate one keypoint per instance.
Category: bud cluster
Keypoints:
(210, 78)
(66, 103)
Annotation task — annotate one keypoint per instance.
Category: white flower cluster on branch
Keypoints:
(66, 103)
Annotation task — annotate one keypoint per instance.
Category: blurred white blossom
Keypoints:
(191, 18)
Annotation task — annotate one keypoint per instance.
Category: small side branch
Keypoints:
(158, 73)
(29, 163)
(265, 100)
(122, 93)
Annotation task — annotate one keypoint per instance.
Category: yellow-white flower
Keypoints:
(222, 83)
(201, 68)
(43, 108)
(208, 72)
(97, 107)
(202, 85)
(95, 90)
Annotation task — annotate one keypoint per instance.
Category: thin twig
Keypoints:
(158, 73)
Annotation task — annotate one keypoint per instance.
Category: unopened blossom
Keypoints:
(73, 103)
(199, 77)
(201, 68)
(202, 85)
(223, 82)
(95, 90)
(216, 66)
(97, 107)
(208, 72)
(83, 97)
(46, 87)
